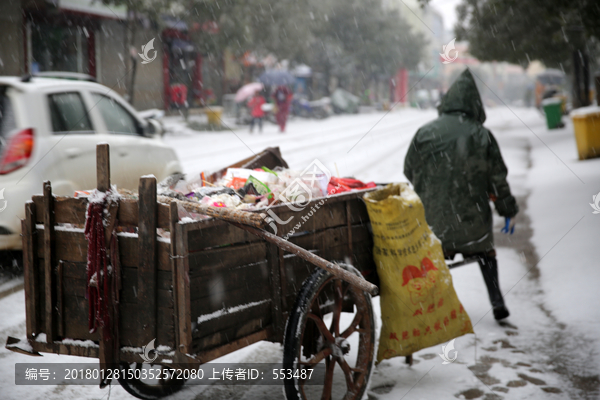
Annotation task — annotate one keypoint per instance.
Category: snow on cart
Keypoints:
(110, 274)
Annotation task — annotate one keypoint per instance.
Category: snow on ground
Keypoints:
(549, 346)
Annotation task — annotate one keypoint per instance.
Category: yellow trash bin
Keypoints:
(214, 114)
(586, 122)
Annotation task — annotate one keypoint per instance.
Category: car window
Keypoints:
(116, 118)
(68, 113)
(8, 123)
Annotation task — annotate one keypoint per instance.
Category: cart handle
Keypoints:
(330, 267)
(257, 220)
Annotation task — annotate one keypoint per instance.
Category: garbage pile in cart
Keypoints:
(263, 181)
(249, 189)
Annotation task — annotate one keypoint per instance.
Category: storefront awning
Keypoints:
(93, 7)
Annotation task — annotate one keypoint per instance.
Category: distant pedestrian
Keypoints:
(255, 104)
(456, 168)
(283, 98)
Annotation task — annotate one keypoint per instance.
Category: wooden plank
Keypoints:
(318, 214)
(208, 262)
(103, 167)
(174, 219)
(72, 246)
(130, 279)
(48, 259)
(76, 311)
(275, 289)
(41, 290)
(146, 286)
(332, 213)
(67, 210)
(129, 212)
(59, 300)
(165, 334)
(183, 291)
(129, 249)
(313, 259)
(67, 349)
(78, 287)
(232, 326)
(283, 277)
(240, 330)
(76, 325)
(72, 211)
(221, 283)
(349, 229)
(209, 355)
(31, 278)
(87, 351)
(358, 212)
(203, 235)
(68, 245)
(230, 299)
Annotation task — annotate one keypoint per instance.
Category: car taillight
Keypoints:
(17, 152)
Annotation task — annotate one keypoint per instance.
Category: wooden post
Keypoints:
(283, 279)
(183, 291)
(173, 221)
(103, 167)
(349, 228)
(146, 298)
(60, 307)
(109, 350)
(48, 261)
(30, 270)
(275, 287)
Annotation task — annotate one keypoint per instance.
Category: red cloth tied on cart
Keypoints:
(340, 185)
(100, 276)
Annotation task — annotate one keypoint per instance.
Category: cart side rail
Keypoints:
(56, 303)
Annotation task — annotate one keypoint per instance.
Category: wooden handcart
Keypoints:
(211, 288)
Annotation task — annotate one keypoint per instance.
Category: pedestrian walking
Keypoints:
(283, 98)
(255, 104)
(456, 168)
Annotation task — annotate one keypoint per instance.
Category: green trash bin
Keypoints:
(553, 110)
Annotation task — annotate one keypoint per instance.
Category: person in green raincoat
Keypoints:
(456, 167)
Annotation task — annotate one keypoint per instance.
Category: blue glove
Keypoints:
(509, 226)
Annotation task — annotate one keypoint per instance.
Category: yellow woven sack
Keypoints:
(419, 307)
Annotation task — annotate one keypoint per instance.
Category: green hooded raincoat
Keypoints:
(456, 167)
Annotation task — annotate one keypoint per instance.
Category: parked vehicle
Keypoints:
(344, 102)
(318, 109)
(49, 129)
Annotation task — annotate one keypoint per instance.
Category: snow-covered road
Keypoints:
(549, 347)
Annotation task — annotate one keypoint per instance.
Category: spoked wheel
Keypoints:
(141, 383)
(331, 326)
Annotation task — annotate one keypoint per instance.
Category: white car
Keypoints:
(49, 129)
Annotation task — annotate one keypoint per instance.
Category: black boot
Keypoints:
(489, 270)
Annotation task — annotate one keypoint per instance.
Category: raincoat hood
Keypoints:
(464, 97)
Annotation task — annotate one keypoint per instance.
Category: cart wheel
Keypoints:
(331, 323)
(148, 389)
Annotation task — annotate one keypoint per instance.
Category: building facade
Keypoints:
(87, 37)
